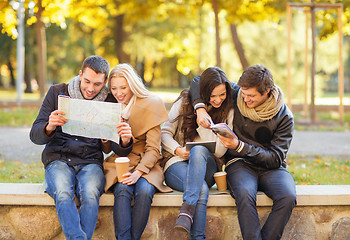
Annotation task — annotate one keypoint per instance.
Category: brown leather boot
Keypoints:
(185, 218)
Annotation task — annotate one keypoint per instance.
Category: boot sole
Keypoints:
(181, 228)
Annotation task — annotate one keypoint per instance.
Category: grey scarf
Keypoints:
(74, 90)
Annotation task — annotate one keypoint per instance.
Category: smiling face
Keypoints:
(121, 90)
(253, 98)
(218, 95)
(91, 83)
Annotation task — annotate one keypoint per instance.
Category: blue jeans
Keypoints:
(194, 177)
(62, 183)
(131, 224)
(244, 181)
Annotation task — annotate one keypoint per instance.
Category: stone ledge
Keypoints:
(307, 195)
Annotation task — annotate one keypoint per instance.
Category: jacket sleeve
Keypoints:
(122, 151)
(194, 91)
(152, 150)
(169, 129)
(37, 132)
(273, 156)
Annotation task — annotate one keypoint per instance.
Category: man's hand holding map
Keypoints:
(92, 119)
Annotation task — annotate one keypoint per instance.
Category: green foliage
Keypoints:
(8, 20)
(175, 40)
(319, 170)
(325, 121)
(16, 172)
(17, 117)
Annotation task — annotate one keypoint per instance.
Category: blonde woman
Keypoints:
(144, 112)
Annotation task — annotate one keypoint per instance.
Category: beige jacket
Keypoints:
(145, 119)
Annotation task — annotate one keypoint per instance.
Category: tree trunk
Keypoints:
(12, 77)
(200, 39)
(29, 72)
(120, 37)
(1, 83)
(217, 32)
(41, 44)
(140, 69)
(150, 83)
(238, 46)
(27, 79)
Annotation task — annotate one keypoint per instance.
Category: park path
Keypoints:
(15, 144)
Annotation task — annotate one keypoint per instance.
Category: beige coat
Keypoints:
(145, 119)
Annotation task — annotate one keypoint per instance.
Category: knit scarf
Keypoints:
(266, 110)
(74, 90)
(126, 109)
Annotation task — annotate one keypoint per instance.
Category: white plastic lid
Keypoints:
(122, 160)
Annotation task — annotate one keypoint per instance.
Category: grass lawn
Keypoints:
(319, 170)
(11, 95)
(16, 172)
(17, 117)
(306, 170)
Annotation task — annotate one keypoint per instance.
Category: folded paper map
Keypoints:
(92, 119)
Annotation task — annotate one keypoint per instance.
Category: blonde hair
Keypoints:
(136, 85)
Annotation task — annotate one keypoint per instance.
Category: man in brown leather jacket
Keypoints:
(255, 160)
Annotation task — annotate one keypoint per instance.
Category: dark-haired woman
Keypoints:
(192, 171)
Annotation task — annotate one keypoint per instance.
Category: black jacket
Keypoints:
(265, 144)
(62, 146)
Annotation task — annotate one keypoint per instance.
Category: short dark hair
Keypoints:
(96, 63)
(256, 76)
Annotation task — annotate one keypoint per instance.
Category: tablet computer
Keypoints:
(209, 144)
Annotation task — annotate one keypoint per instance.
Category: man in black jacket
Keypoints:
(73, 164)
(255, 160)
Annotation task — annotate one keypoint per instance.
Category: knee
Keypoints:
(92, 192)
(64, 195)
(60, 190)
(199, 152)
(145, 193)
(288, 200)
(244, 195)
(204, 194)
(124, 190)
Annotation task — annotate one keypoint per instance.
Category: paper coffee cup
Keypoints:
(220, 179)
(122, 166)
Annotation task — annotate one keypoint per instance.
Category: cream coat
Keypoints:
(145, 119)
(172, 137)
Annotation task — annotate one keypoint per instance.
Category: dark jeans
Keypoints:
(244, 181)
(130, 224)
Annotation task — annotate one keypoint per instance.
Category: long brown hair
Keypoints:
(189, 123)
(210, 78)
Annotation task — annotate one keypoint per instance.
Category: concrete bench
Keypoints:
(307, 195)
(322, 212)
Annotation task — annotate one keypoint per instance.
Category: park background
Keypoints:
(169, 43)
